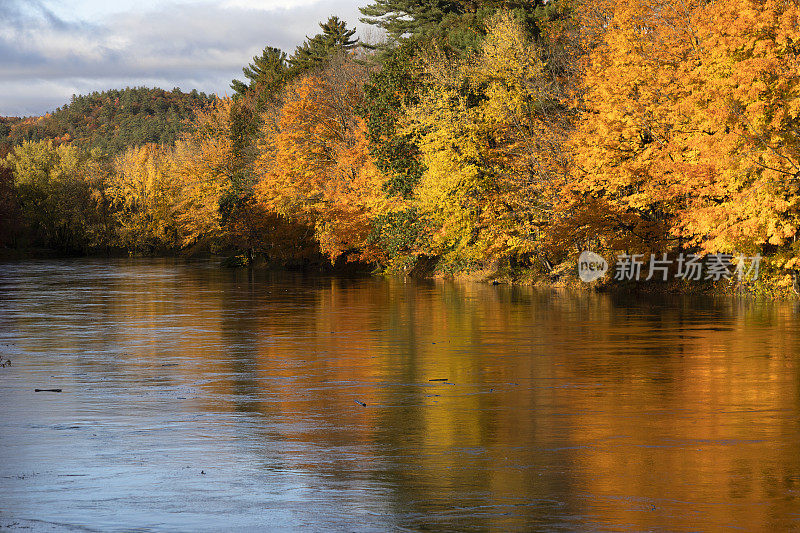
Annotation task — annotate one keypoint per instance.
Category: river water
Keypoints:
(198, 398)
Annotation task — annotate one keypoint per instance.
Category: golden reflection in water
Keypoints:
(594, 411)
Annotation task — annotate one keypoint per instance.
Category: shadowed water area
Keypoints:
(197, 398)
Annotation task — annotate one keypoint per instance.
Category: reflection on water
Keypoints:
(200, 398)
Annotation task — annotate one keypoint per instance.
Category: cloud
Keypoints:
(266, 4)
(203, 45)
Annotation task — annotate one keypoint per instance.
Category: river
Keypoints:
(197, 398)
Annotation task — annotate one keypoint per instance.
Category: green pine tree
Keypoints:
(267, 73)
(402, 19)
(334, 38)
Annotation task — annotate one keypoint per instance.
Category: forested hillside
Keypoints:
(111, 120)
(503, 137)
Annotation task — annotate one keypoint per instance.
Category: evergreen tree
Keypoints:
(408, 18)
(315, 50)
(386, 94)
(267, 72)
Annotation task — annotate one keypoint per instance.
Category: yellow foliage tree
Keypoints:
(60, 190)
(145, 196)
(490, 130)
(203, 170)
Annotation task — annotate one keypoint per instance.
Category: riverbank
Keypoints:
(562, 276)
(565, 276)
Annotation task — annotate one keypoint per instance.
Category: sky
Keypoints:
(52, 49)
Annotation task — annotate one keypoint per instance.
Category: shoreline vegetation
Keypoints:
(565, 277)
(479, 140)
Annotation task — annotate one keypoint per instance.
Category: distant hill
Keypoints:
(111, 120)
(6, 123)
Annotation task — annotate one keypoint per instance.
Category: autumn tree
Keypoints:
(202, 171)
(691, 113)
(10, 216)
(58, 200)
(314, 164)
(622, 139)
(746, 115)
(144, 195)
(485, 129)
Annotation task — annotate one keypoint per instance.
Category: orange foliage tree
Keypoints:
(314, 166)
(690, 124)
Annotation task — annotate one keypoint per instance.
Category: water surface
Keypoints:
(198, 398)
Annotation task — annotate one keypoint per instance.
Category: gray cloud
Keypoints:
(199, 45)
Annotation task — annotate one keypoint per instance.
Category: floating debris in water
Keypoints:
(362, 404)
